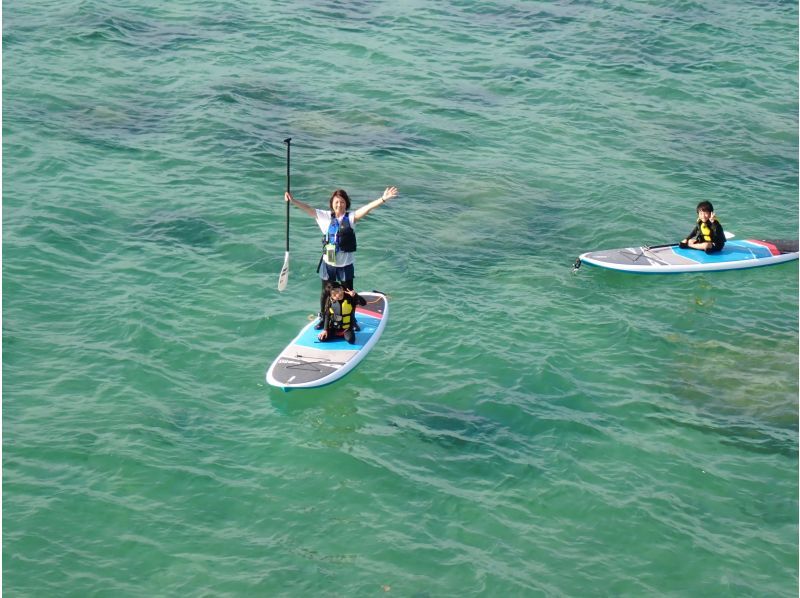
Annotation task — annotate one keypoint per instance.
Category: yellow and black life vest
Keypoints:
(705, 231)
(340, 314)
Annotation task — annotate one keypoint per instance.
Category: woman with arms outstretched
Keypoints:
(339, 237)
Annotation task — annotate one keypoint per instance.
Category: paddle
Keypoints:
(728, 236)
(284, 276)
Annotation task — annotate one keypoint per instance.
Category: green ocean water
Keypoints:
(520, 429)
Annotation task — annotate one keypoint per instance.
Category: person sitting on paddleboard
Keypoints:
(339, 238)
(340, 311)
(707, 234)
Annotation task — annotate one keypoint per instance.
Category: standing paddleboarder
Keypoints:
(339, 238)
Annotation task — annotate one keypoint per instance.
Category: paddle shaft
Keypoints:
(288, 142)
(283, 279)
(728, 237)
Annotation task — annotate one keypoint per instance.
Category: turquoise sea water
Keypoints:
(519, 430)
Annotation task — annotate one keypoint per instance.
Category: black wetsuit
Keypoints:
(717, 236)
(333, 327)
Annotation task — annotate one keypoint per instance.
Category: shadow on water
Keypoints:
(111, 127)
(533, 19)
(733, 431)
(741, 436)
(172, 228)
(450, 429)
(125, 28)
(544, 229)
(343, 13)
(444, 259)
(235, 93)
(122, 120)
(298, 401)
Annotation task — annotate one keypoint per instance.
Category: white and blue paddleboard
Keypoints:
(308, 362)
(738, 254)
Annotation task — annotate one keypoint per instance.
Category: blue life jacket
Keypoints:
(341, 235)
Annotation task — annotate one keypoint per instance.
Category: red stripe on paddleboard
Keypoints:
(772, 249)
(367, 312)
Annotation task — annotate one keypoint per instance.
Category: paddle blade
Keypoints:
(284, 276)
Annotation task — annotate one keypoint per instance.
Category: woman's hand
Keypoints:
(303, 206)
(323, 335)
(389, 193)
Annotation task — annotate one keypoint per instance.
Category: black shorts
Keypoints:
(333, 273)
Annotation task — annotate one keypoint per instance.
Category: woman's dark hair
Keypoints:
(341, 193)
(705, 206)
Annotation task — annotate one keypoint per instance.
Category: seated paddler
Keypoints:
(339, 313)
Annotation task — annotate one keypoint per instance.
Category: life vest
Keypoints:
(705, 231)
(340, 314)
(341, 234)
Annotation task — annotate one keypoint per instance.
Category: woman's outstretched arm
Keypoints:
(303, 206)
(388, 194)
